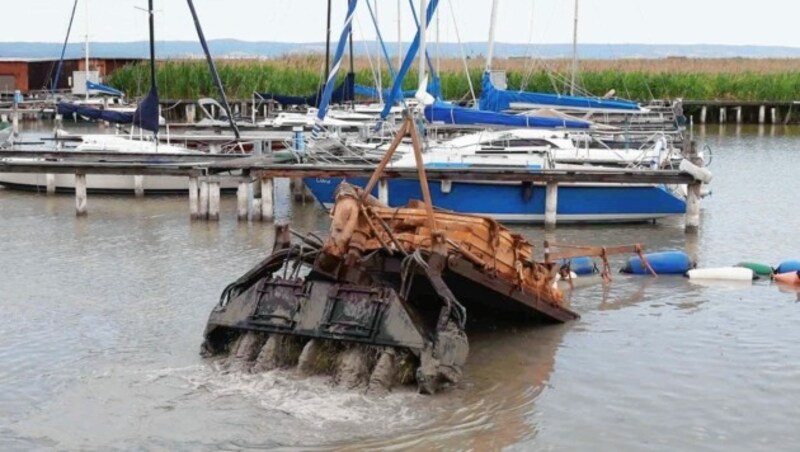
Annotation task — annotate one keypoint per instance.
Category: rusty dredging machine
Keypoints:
(384, 299)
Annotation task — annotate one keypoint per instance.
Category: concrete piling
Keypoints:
(383, 191)
(202, 213)
(762, 114)
(703, 114)
(213, 200)
(80, 195)
(267, 199)
(738, 115)
(193, 201)
(298, 189)
(50, 180)
(242, 200)
(693, 207)
(551, 206)
(138, 186)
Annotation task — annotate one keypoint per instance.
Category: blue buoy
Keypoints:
(788, 266)
(580, 265)
(664, 263)
(299, 139)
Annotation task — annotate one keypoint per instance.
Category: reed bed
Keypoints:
(638, 79)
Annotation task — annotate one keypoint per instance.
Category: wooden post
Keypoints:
(774, 115)
(551, 205)
(241, 200)
(722, 115)
(703, 114)
(51, 183)
(80, 195)
(56, 128)
(738, 115)
(213, 200)
(267, 200)
(383, 191)
(762, 114)
(193, 188)
(138, 186)
(203, 207)
(693, 207)
(191, 114)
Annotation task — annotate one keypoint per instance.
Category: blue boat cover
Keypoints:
(445, 112)
(103, 89)
(146, 115)
(341, 94)
(494, 99)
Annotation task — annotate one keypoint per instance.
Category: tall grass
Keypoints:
(728, 79)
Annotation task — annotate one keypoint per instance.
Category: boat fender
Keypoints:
(787, 266)
(701, 174)
(580, 265)
(758, 268)
(663, 263)
(723, 273)
(788, 278)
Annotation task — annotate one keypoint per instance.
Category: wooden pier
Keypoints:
(742, 112)
(205, 173)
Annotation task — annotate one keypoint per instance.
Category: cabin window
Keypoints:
(528, 143)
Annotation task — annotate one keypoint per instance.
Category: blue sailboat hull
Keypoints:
(516, 202)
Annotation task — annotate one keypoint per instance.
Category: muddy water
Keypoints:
(102, 318)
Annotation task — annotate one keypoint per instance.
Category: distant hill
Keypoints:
(247, 49)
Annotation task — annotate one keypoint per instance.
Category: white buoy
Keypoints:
(722, 274)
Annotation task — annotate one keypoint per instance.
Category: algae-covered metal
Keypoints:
(382, 283)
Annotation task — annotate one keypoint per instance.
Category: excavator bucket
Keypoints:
(382, 300)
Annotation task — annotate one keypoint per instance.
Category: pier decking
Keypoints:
(204, 174)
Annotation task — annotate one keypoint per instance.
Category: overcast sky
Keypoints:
(765, 22)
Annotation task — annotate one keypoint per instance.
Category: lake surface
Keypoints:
(102, 319)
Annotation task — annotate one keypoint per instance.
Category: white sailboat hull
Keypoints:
(103, 183)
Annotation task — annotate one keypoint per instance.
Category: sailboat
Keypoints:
(88, 89)
(146, 117)
(494, 98)
(506, 201)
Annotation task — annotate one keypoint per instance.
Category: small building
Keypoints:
(34, 74)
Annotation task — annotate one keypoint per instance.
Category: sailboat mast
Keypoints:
(378, 43)
(152, 25)
(86, 50)
(399, 36)
(57, 77)
(492, 27)
(328, 44)
(213, 69)
(423, 31)
(574, 52)
(438, 45)
(352, 62)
